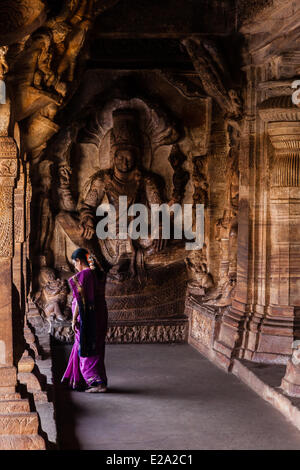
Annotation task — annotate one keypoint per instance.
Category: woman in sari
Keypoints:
(86, 367)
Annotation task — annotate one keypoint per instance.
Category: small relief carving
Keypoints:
(180, 176)
(8, 167)
(147, 333)
(3, 63)
(42, 185)
(201, 328)
(200, 183)
(200, 280)
(227, 226)
(52, 296)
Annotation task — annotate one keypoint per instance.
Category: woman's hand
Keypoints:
(74, 324)
(74, 319)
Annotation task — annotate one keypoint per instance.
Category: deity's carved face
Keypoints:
(125, 160)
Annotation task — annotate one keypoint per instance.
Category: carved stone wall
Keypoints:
(263, 320)
(217, 127)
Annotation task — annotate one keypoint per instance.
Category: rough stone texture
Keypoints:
(19, 423)
(14, 406)
(33, 442)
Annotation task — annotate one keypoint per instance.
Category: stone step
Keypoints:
(25, 442)
(14, 406)
(10, 396)
(7, 390)
(19, 423)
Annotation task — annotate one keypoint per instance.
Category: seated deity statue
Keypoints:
(129, 178)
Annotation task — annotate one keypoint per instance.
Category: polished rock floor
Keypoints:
(166, 397)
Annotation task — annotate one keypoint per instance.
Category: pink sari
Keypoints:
(86, 363)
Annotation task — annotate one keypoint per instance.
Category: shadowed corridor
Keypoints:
(166, 397)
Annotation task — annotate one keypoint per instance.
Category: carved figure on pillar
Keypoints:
(218, 84)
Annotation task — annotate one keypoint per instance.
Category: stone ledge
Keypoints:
(32, 442)
(19, 423)
(10, 396)
(265, 380)
(14, 406)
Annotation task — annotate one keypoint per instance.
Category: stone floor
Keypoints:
(167, 397)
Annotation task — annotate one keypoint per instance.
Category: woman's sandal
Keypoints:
(97, 389)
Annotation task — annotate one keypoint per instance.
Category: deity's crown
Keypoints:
(125, 130)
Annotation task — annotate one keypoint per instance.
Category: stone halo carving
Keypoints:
(155, 127)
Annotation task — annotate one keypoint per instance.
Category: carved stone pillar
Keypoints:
(8, 174)
(18, 425)
(281, 323)
(230, 335)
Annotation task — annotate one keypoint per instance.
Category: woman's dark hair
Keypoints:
(82, 254)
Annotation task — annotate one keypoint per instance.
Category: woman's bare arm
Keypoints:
(75, 316)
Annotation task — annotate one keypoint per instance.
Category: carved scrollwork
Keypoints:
(214, 75)
(6, 221)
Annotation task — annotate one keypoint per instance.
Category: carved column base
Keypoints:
(204, 322)
(291, 389)
(229, 342)
(291, 381)
(270, 336)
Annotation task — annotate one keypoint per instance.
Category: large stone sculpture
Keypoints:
(217, 83)
(126, 178)
(201, 280)
(136, 283)
(42, 72)
(227, 226)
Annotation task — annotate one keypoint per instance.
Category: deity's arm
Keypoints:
(152, 191)
(66, 201)
(153, 196)
(87, 207)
